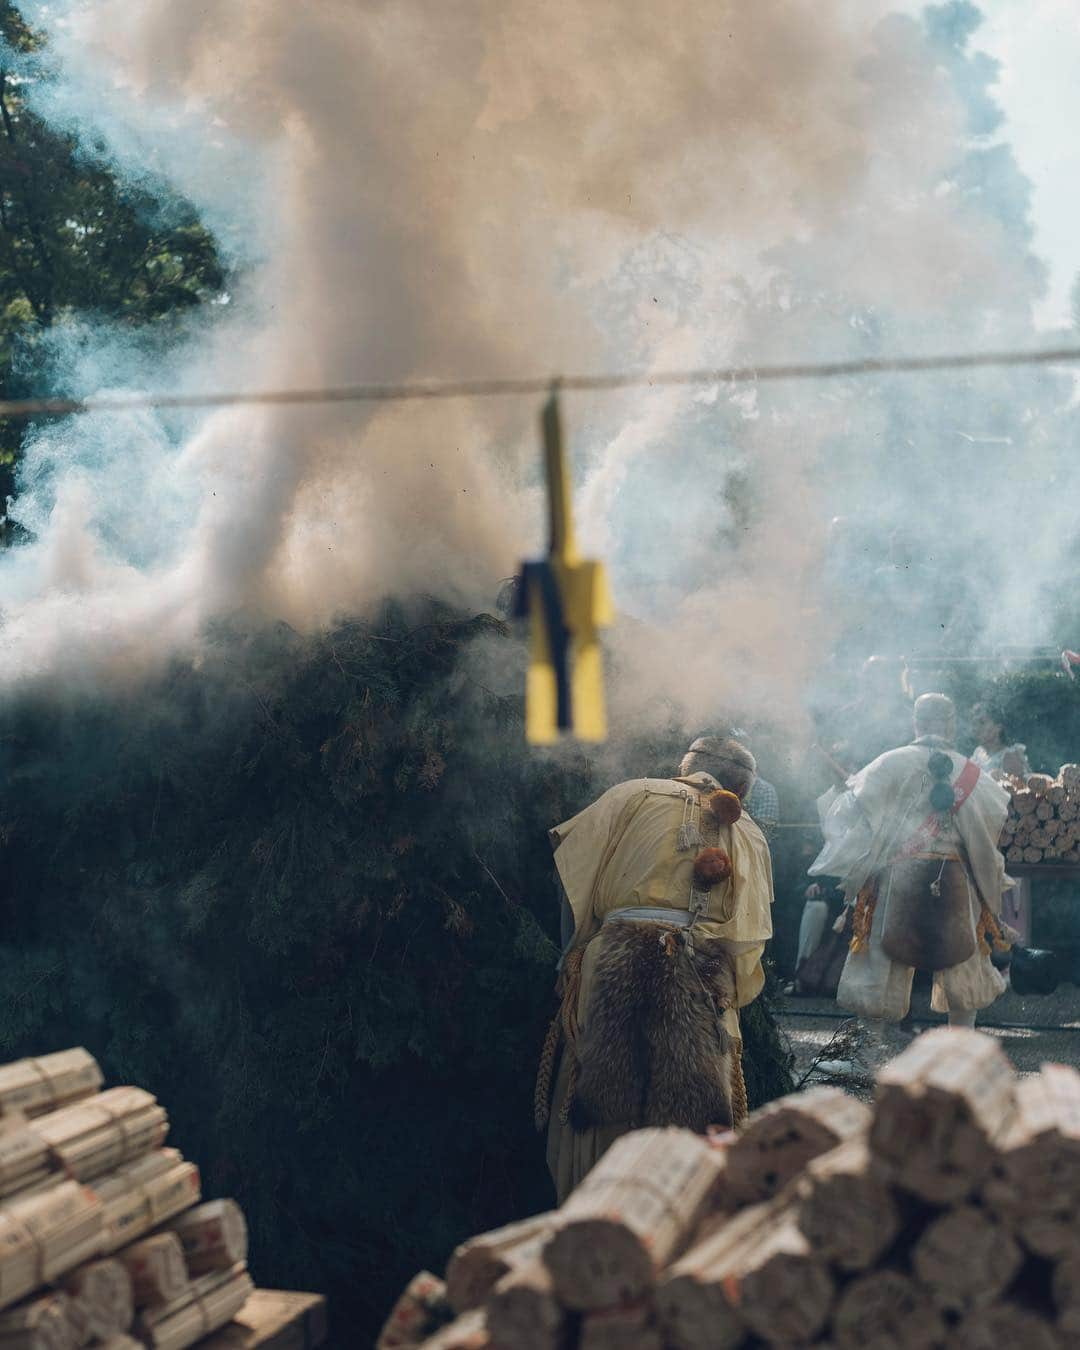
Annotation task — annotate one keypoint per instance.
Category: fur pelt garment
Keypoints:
(653, 1051)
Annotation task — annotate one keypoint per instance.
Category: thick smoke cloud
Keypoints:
(504, 188)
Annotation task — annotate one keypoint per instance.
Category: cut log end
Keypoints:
(1006, 1325)
(940, 1106)
(782, 1137)
(845, 1210)
(887, 1309)
(965, 1260)
(695, 1314)
(524, 1312)
(621, 1329)
(599, 1263)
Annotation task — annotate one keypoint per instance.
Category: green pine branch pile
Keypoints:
(301, 889)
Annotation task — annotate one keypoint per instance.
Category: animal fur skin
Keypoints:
(653, 1051)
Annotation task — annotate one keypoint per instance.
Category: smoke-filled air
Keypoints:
(326, 838)
(414, 190)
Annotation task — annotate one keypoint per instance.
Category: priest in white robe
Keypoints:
(915, 838)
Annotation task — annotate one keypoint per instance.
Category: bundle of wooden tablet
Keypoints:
(947, 1214)
(1043, 824)
(102, 1236)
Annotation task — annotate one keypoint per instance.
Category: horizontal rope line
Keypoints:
(446, 389)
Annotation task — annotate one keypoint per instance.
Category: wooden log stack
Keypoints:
(1043, 824)
(103, 1241)
(947, 1214)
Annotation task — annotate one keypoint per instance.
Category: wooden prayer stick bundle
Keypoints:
(763, 1268)
(24, 1155)
(940, 1105)
(693, 1306)
(844, 1208)
(213, 1236)
(886, 1310)
(104, 1132)
(1005, 1325)
(33, 1086)
(158, 1271)
(633, 1214)
(1041, 825)
(781, 1138)
(44, 1236)
(139, 1197)
(101, 1299)
(964, 1259)
(43, 1324)
(480, 1263)
(783, 1291)
(1035, 1182)
(207, 1304)
(467, 1332)
(631, 1328)
(421, 1310)
(523, 1311)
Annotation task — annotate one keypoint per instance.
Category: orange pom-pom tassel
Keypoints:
(724, 805)
(711, 866)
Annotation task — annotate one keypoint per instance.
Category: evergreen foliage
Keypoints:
(302, 890)
(74, 241)
(1040, 709)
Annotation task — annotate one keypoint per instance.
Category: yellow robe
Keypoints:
(622, 852)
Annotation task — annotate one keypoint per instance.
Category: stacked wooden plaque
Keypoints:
(102, 1237)
(1043, 824)
(945, 1215)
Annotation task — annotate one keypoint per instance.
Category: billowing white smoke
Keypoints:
(496, 188)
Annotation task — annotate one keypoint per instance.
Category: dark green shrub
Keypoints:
(302, 891)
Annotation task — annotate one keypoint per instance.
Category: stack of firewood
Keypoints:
(103, 1240)
(1043, 824)
(948, 1214)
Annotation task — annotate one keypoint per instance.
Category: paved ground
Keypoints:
(1032, 1030)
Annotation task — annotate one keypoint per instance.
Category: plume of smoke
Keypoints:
(495, 188)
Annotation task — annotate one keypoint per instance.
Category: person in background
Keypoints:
(915, 838)
(996, 752)
(823, 902)
(762, 801)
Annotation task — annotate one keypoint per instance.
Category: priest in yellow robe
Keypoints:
(669, 886)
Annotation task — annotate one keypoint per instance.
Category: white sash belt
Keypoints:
(678, 918)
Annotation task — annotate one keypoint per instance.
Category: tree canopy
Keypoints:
(75, 240)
